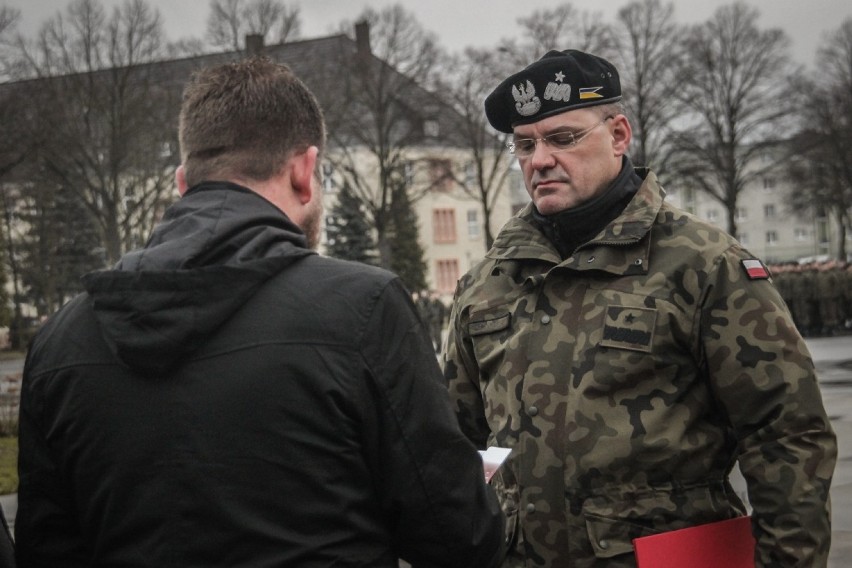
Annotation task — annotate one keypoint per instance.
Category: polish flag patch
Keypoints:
(755, 269)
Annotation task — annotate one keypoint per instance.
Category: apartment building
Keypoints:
(766, 224)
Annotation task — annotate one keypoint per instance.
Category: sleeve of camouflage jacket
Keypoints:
(764, 378)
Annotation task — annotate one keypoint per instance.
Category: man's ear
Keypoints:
(302, 173)
(180, 179)
(622, 133)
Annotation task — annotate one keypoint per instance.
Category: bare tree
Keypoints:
(378, 111)
(110, 121)
(470, 78)
(186, 47)
(231, 20)
(13, 147)
(48, 261)
(821, 167)
(9, 18)
(735, 86)
(562, 27)
(647, 41)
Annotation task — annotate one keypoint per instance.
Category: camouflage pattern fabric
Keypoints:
(628, 379)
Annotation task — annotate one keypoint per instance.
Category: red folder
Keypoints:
(724, 544)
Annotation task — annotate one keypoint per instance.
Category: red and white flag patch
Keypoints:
(755, 269)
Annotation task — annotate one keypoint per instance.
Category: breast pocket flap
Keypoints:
(488, 325)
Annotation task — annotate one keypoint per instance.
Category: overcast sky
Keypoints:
(482, 23)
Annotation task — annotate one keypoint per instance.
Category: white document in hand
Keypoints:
(492, 459)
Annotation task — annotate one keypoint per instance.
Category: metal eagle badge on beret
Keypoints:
(558, 82)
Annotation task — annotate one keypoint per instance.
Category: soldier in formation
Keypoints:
(434, 314)
(818, 294)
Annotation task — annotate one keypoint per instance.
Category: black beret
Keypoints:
(558, 82)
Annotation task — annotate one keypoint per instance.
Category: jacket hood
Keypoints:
(214, 248)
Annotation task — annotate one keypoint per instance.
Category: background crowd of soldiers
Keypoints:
(819, 295)
(434, 313)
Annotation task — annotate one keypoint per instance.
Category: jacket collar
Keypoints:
(618, 248)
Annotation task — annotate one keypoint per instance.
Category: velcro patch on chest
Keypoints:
(490, 325)
(627, 327)
(755, 269)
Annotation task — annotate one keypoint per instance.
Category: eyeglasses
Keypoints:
(557, 142)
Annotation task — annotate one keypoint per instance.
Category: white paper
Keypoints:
(492, 459)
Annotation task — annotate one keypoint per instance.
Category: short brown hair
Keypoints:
(245, 119)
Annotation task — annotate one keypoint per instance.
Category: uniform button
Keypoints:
(591, 259)
(530, 508)
(604, 544)
(532, 411)
(638, 262)
(545, 319)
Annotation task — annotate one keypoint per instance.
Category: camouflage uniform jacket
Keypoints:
(628, 379)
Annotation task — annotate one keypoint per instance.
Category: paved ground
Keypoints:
(833, 357)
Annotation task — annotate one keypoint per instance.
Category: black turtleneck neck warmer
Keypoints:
(570, 228)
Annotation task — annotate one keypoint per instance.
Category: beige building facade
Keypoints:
(451, 221)
(766, 223)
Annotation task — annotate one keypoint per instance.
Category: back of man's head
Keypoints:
(243, 120)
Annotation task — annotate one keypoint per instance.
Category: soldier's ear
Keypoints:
(622, 134)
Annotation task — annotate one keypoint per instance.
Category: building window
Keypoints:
(743, 238)
(769, 211)
(441, 174)
(713, 215)
(328, 221)
(771, 238)
(769, 184)
(741, 214)
(431, 128)
(444, 225)
(470, 174)
(473, 229)
(801, 234)
(446, 274)
(328, 185)
(408, 173)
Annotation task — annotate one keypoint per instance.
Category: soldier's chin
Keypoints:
(550, 204)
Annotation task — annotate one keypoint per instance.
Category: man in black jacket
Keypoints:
(227, 397)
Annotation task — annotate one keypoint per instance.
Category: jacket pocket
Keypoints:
(508, 495)
(489, 331)
(613, 521)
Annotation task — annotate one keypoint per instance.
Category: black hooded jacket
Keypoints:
(226, 397)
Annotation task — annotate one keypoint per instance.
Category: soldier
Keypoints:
(829, 297)
(801, 285)
(628, 353)
(437, 319)
(781, 276)
(423, 303)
